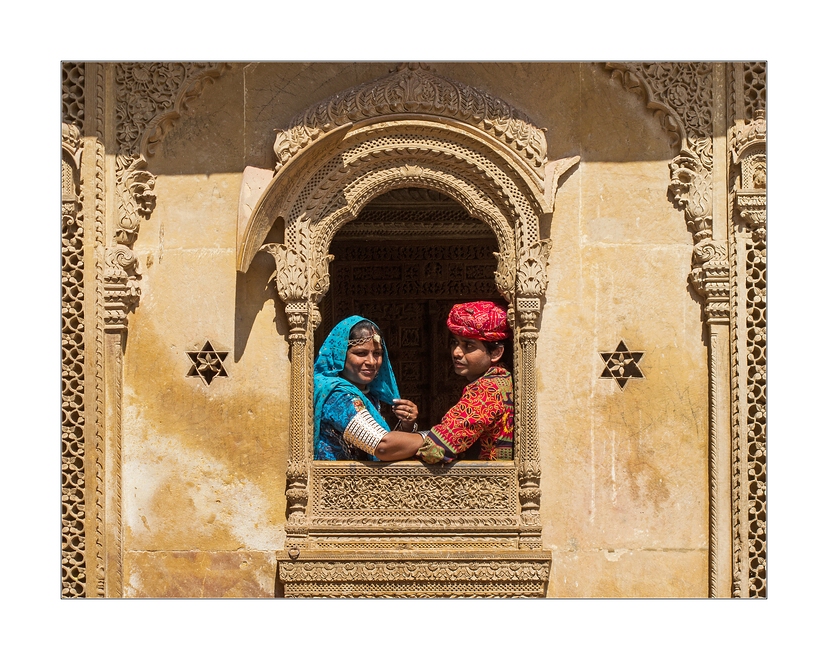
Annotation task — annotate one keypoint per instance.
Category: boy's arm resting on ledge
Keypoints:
(398, 445)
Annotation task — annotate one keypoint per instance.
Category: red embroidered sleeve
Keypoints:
(478, 409)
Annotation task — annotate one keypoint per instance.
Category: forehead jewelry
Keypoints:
(361, 340)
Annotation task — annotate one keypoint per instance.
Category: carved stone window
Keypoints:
(469, 152)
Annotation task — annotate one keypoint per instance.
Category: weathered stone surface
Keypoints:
(199, 574)
(190, 478)
(627, 573)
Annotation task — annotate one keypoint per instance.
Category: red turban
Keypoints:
(482, 320)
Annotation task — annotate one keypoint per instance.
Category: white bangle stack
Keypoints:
(363, 432)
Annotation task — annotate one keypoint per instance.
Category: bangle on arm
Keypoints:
(363, 432)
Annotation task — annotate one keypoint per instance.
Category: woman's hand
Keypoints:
(406, 411)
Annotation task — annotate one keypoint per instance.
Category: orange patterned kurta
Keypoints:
(484, 415)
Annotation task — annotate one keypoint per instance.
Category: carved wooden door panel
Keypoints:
(407, 288)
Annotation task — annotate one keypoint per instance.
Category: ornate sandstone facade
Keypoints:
(217, 218)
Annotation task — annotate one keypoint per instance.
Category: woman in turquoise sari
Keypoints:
(351, 378)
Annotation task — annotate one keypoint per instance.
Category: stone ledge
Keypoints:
(412, 574)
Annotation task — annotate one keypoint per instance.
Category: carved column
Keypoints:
(531, 284)
(711, 278)
(94, 187)
(293, 286)
(121, 293)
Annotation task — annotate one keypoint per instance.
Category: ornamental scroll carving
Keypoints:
(681, 96)
(121, 291)
(415, 89)
(412, 129)
(416, 498)
(710, 278)
(749, 155)
(532, 280)
(149, 97)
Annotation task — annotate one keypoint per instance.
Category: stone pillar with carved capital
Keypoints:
(120, 294)
(531, 284)
(292, 284)
(710, 277)
(121, 291)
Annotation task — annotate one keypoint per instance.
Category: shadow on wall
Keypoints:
(253, 290)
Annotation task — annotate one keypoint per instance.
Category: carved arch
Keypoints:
(400, 141)
(410, 129)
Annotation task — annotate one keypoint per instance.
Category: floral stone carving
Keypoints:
(150, 96)
(400, 575)
(207, 363)
(681, 96)
(622, 364)
(415, 88)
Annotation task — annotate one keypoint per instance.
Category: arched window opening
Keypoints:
(408, 257)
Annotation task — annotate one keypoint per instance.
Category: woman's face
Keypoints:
(362, 362)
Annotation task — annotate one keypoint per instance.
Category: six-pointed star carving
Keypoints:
(622, 364)
(207, 363)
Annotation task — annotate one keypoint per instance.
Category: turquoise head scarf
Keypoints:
(331, 362)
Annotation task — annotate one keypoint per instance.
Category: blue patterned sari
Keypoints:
(336, 400)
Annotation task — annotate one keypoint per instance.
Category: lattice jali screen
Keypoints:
(754, 90)
(72, 406)
(73, 542)
(72, 82)
(756, 414)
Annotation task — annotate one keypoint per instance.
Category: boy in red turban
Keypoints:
(481, 424)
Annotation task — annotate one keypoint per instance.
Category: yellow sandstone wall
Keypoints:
(624, 482)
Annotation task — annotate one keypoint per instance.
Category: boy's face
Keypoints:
(471, 359)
